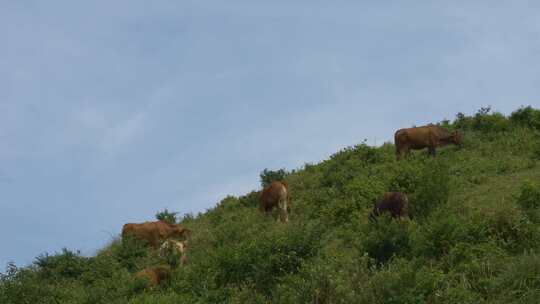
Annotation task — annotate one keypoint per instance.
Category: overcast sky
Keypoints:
(113, 110)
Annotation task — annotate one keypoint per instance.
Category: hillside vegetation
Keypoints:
(474, 236)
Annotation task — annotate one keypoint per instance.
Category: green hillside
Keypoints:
(474, 236)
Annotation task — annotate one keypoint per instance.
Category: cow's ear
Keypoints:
(186, 233)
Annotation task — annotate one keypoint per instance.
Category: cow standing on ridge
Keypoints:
(430, 136)
(276, 195)
(155, 232)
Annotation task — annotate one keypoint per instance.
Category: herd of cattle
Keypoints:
(172, 238)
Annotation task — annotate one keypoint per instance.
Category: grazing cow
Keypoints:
(430, 136)
(154, 275)
(155, 232)
(174, 247)
(276, 195)
(396, 203)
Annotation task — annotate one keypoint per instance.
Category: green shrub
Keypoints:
(329, 278)
(519, 282)
(268, 176)
(250, 200)
(536, 152)
(432, 188)
(463, 122)
(24, 285)
(510, 229)
(406, 177)
(485, 122)
(526, 116)
(261, 260)
(474, 266)
(385, 239)
(64, 265)
(402, 281)
(352, 162)
(529, 200)
(167, 216)
(131, 252)
(435, 238)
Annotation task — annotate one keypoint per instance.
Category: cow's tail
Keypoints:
(284, 203)
(398, 143)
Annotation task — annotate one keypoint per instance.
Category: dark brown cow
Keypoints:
(395, 203)
(154, 275)
(276, 195)
(430, 136)
(155, 232)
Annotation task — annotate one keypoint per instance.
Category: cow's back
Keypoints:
(154, 275)
(152, 232)
(396, 203)
(419, 137)
(273, 193)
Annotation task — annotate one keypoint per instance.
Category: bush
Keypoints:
(167, 216)
(520, 280)
(385, 239)
(529, 200)
(485, 122)
(23, 285)
(474, 266)
(510, 229)
(463, 122)
(268, 176)
(536, 152)
(432, 189)
(404, 282)
(130, 253)
(64, 265)
(250, 200)
(328, 278)
(526, 116)
(406, 177)
(436, 237)
(263, 260)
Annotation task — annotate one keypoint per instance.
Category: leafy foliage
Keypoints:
(167, 216)
(268, 176)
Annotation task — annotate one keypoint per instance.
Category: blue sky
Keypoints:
(113, 110)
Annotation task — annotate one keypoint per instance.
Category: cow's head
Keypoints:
(457, 138)
(181, 233)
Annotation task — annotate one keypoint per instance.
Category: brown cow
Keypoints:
(430, 136)
(154, 275)
(155, 232)
(276, 195)
(396, 203)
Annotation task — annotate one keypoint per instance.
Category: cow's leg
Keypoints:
(406, 151)
(183, 259)
(433, 143)
(402, 151)
(431, 151)
(283, 210)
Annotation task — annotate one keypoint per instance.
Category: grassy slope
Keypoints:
(469, 242)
